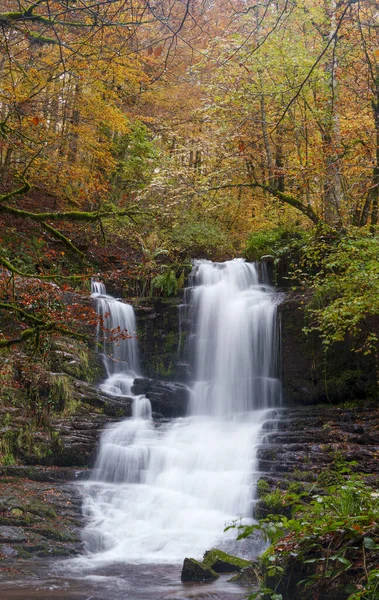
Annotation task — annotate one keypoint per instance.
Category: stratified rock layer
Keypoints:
(301, 442)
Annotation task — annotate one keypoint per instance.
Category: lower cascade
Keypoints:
(162, 491)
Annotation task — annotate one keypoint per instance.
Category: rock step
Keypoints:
(300, 442)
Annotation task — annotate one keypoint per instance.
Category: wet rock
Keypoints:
(12, 534)
(307, 378)
(221, 562)
(167, 398)
(160, 342)
(113, 406)
(50, 512)
(38, 473)
(77, 439)
(307, 441)
(7, 551)
(195, 571)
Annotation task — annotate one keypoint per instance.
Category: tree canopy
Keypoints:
(180, 127)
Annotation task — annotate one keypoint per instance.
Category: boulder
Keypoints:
(195, 571)
(77, 439)
(113, 406)
(221, 562)
(168, 399)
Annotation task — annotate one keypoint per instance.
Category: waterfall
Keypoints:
(235, 349)
(160, 492)
(120, 354)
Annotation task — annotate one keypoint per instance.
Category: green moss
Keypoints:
(22, 553)
(51, 532)
(295, 487)
(40, 509)
(60, 391)
(221, 562)
(273, 501)
(193, 570)
(263, 488)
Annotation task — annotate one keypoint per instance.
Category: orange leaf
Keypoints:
(35, 120)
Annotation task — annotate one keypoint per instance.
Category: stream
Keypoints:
(116, 582)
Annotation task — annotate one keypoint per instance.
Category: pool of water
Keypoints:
(51, 580)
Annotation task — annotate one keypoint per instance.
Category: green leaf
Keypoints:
(370, 544)
(344, 561)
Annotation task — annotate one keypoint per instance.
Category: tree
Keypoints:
(70, 77)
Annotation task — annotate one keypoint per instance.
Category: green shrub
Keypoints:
(263, 488)
(330, 546)
(166, 283)
(204, 238)
(278, 243)
(346, 290)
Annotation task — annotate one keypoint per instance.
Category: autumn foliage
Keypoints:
(134, 136)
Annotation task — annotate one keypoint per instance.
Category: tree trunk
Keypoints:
(331, 132)
(375, 176)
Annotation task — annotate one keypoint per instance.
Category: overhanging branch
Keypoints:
(282, 196)
(8, 265)
(72, 215)
(50, 326)
(67, 242)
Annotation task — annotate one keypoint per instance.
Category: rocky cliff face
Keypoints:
(311, 375)
(162, 334)
(301, 442)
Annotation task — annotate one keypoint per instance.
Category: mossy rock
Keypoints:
(221, 562)
(263, 488)
(53, 533)
(193, 570)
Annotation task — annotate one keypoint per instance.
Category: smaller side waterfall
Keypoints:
(121, 356)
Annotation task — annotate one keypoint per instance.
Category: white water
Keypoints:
(120, 357)
(160, 493)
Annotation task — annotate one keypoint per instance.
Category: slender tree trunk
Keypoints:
(266, 141)
(5, 164)
(74, 136)
(331, 132)
(375, 175)
(279, 160)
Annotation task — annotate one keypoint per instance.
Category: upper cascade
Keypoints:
(235, 349)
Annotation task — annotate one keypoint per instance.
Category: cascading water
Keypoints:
(161, 492)
(235, 340)
(120, 357)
